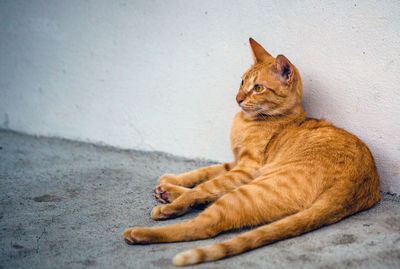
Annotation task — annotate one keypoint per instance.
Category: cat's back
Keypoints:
(326, 155)
(324, 145)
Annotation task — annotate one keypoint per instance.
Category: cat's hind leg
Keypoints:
(328, 208)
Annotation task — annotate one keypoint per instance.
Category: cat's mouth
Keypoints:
(250, 109)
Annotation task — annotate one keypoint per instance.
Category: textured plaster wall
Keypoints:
(162, 75)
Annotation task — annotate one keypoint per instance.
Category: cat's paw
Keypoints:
(162, 212)
(168, 178)
(136, 236)
(166, 193)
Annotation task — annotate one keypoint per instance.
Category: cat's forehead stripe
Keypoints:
(251, 80)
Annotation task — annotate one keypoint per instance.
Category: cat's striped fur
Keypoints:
(291, 174)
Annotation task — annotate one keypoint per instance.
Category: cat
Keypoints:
(291, 174)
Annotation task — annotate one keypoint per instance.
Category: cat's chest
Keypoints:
(249, 135)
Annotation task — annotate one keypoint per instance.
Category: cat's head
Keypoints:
(271, 87)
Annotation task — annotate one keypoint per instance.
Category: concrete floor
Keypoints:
(65, 204)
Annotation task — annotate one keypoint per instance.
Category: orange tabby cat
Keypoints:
(291, 174)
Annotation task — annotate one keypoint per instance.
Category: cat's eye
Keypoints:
(242, 82)
(258, 88)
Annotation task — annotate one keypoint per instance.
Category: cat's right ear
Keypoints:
(284, 69)
(259, 53)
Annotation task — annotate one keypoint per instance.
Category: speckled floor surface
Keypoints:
(65, 204)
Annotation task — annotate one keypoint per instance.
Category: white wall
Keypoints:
(162, 75)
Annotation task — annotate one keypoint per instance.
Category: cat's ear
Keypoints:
(259, 53)
(284, 69)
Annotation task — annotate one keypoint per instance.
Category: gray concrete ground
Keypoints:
(65, 204)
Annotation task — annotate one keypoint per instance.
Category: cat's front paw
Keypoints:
(166, 193)
(136, 235)
(168, 178)
(162, 212)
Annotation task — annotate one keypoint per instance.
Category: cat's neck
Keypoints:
(295, 114)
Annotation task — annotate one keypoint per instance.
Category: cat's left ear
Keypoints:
(284, 68)
(259, 53)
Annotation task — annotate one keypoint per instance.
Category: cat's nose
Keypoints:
(239, 98)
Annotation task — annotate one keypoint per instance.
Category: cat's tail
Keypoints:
(325, 210)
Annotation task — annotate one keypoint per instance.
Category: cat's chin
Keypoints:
(249, 113)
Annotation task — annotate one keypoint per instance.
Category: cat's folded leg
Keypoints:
(248, 205)
(218, 217)
(194, 177)
(166, 193)
(206, 192)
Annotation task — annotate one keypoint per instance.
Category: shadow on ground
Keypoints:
(65, 204)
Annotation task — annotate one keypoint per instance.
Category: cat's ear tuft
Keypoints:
(284, 68)
(259, 53)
